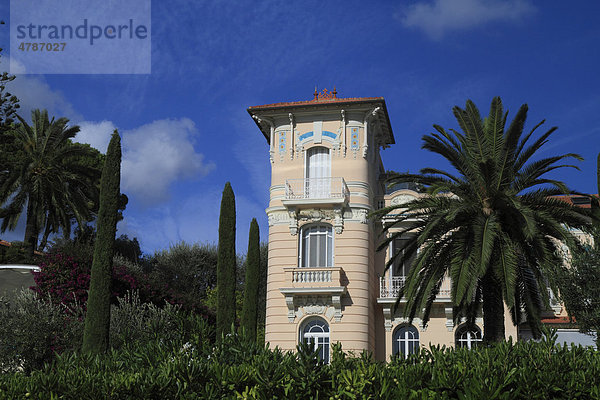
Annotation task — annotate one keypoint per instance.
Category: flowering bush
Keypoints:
(66, 279)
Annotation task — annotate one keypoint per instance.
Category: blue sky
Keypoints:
(186, 132)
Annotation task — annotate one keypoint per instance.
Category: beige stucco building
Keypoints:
(326, 282)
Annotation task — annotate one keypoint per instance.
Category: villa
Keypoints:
(326, 282)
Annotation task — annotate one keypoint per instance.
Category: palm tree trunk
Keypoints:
(31, 229)
(44, 240)
(493, 309)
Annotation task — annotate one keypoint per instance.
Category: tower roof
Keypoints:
(323, 100)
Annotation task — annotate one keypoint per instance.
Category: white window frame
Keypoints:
(404, 336)
(307, 232)
(318, 186)
(315, 332)
(468, 336)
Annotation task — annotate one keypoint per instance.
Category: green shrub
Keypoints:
(33, 329)
(134, 321)
(238, 368)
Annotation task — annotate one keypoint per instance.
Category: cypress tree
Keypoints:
(97, 319)
(250, 307)
(596, 208)
(226, 260)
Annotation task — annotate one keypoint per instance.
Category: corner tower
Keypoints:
(323, 283)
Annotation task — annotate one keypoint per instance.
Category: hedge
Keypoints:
(236, 368)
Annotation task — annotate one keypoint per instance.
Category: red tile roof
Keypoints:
(569, 199)
(558, 320)
(317, 102)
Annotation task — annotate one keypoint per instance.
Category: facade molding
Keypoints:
(316, 300)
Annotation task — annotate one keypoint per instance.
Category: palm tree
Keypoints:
(493, 226)
(51, 179)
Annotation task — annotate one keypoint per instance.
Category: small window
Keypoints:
(468, 336)
(316, 246)
(405, 340)
(315, 332)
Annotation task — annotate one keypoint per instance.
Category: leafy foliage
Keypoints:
(492, 226)
(17, 253)
(97, 319)
(595, 203)
(262, 293)
(579, 290)
(226, 263)
(9, 103)
(65, 279)
(239, 368)
(49, 179)
(34, 329)
(183, 273)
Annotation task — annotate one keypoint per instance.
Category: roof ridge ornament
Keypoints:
(325, 94)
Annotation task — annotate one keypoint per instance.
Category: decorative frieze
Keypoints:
(336, 216)
(360, 214)
(282, 144)
(328, 305)
(402, 199)
(278, 218)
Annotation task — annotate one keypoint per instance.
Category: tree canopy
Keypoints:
(53, 179)
(493, 225)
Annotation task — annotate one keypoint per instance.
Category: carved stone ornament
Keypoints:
(278, 217)
(338, 222)
(416, 321)
(293, 222)
(402, 199)
(310, 310)
(314, 215)
(328, 306)
(360, 215)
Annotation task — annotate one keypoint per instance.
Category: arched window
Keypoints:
(316, 246)
(315, 332)
(405, 340)
(468, 336)
(317, 175)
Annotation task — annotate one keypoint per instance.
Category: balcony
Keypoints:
(389, 289)
(313, 277)
(316, 191)
(324, 282)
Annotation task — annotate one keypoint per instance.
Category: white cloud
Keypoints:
(33, 92)
(156, 155)
(440, 16)
(96, 134)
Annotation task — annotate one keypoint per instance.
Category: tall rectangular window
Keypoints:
(401, 269)
(317, 173)
(316, 247)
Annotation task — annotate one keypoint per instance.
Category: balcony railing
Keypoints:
(390, 287)
(313, 277)
(317, 189)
